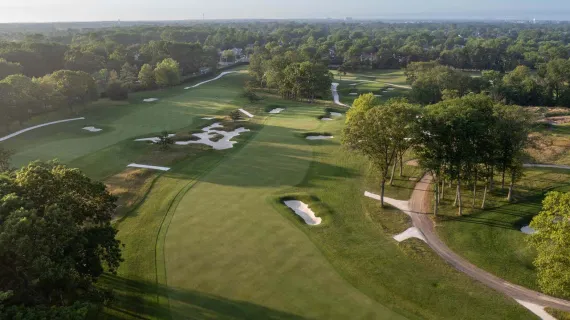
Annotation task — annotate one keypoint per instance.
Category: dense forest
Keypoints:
(53, 67)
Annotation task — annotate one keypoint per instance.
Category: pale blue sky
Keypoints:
(93, 10)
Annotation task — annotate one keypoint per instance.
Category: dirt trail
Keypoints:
(420, 204)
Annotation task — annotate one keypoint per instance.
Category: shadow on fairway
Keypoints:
(138, 300)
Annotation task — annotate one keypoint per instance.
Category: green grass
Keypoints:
(210, 238)
(375, 81)
(125, 121)
(491, 239)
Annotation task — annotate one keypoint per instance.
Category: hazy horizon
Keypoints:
(129, 10)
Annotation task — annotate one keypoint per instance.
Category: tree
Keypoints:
(372, 134)
(167, 73)
(164, 140)
(235, 115)
(146, 77)
(117, 91)
(56, 236)
(552, 244)
(228, 55)
(129, 76)
(5, 156)
(77, 87)
(362, 104)
(9, 68)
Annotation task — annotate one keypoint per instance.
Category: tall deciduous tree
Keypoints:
(56, 236)
(167, 73)
(372, 134)
(9, 68)
(146, 76)
(552, 244)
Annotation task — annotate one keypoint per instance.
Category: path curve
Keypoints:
(420, 205)
(36, 127)
(216, 78)
(551, 166)
(336, 98)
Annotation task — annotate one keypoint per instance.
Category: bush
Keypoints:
(117, 91)
(235, 115)
(251, 96)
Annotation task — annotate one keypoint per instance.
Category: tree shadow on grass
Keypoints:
(140, 300)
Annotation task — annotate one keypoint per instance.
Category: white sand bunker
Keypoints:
(150, 100)
(353, 94)
(528, 230)
(412, 232)
(377, 95)
(155, 139)
(276, 110)
(209, 133)
(385, 91)
(303, 211)
(326, 119)
(390, 89)
(208, 118)
(336, 114)
(92, 129)
(319, 137)
(246, 113)
(144, 166)
(536, 309)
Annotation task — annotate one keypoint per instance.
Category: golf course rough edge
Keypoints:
(38, 126)
(303, 211)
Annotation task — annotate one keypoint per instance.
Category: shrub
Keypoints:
(235, 115)
(117, 91)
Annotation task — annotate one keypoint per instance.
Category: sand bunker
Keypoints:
(336, 114)
(391, 89)
(527, 230)
(353, 94)
(38, 126)
(208, 118)
(144, 166)
(209, 133)
(402, 205)
(377, 95)
(319, 137)
(303, 211)
(326, 119)
(150, 100)
(154, 139)
(92, 129)
(246, 113)
(276, 110)
(216, 78)
(412, 232)
(536, 309)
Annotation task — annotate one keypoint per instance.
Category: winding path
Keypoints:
(38, 126)
(420, 206)
(336, 98)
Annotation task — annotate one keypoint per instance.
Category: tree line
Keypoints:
(548, 86)
(293, 73)
(464, 142)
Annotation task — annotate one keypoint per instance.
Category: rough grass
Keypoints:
(560, 315)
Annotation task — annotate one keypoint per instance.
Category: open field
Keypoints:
(211, 239)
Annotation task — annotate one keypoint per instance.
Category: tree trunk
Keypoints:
(401, 165)
(484, 197)
(382, 192)
(492, 180)
(460, 211)
(393, 170)
(456, 196)
(511, 187)
(474, 194)
(436, 201)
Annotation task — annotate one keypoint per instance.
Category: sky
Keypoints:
(110, 10)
